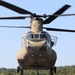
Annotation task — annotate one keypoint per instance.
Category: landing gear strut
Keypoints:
(52, 70)
(37, 67)
(20, 70)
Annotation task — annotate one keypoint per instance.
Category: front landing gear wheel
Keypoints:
(52, 70)
(20, 70)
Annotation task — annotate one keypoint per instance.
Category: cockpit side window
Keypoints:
(47, 36)
(42, 36)
(29, 36)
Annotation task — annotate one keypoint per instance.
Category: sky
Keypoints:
(10, 39)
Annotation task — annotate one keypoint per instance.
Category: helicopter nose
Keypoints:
(37, 44)
(44, 47)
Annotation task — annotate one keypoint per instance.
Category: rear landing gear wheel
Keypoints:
(18, 69)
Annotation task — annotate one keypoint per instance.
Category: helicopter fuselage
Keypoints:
(36, 50)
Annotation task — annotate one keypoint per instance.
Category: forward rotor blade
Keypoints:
(56, 29)
(17, 17)
(23, 17)
(56, 15)
(60, 11)
(64, 15)
(14, 26)
(14, 8)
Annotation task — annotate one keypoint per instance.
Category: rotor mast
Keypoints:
(36, 25)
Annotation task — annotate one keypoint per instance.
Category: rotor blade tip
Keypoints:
(67, 5)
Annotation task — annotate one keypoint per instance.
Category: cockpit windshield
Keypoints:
(36, 36)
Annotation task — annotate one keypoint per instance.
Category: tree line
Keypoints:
(62, 70)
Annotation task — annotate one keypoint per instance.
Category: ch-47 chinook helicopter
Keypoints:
(36, 48)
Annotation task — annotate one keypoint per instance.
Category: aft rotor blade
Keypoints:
(16, 17)
(14, 8)
(56, 29)
(14, 26)
(60, 11)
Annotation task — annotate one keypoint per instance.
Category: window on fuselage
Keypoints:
(36, 36)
